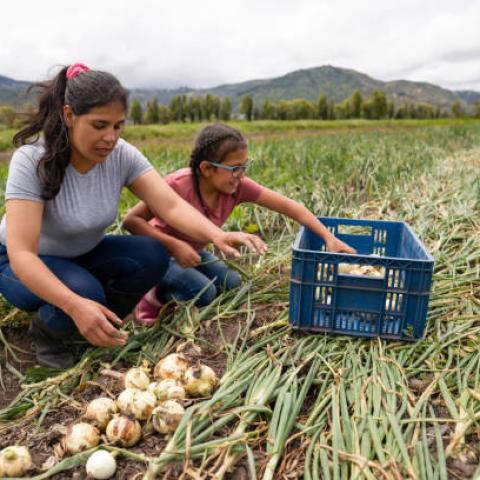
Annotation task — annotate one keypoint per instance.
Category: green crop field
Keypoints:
(293, 405)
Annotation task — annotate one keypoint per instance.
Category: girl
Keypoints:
(214, 184)
(67, 184)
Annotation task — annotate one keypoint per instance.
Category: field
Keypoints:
(291, 405)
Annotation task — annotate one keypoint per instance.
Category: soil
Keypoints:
(44, 440)
(21, 343)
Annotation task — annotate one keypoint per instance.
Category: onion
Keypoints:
(137, 403)
(81, 436)
(124, 431)
(167, 416)
(100, 411)
(137, 378)
(172, 366)
(101, 465)
(167, 390)
(14, 461)
(200, 380)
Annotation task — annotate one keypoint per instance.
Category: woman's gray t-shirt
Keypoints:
(75, 220)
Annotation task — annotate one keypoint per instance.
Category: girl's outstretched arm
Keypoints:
(296, 211)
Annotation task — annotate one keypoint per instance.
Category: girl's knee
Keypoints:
(232, 280)
(207, 296)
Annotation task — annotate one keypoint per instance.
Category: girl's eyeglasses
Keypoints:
(237, 170)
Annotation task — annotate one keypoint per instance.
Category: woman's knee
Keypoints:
(85, 285)
(155, 256)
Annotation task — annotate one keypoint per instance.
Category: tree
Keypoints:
(163, 114)
(175, 108)
(151, 113)
(323, 107)
(477, 108)
(390, 109)
(136, 112)
(246, 107)
(457, 109)
(356, 104)
(225, 109)
(379, 101)
(269, 110)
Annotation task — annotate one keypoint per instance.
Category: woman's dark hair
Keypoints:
(213, 143)
(83, 92)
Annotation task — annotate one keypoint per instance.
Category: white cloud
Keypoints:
(168, 44)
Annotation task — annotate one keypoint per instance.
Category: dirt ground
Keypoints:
(43, 440)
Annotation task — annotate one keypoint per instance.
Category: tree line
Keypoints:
(184, 108)
(188, 108)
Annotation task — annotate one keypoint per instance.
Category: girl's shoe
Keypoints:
(148, 308)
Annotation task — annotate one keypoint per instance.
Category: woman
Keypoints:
(62, 193)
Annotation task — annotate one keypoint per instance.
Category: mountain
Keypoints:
(469, 96)
(13, 92)
(337, 83)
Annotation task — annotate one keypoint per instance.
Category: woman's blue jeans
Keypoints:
(207, 279)
(116, 273)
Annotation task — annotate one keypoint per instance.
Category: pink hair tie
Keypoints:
(75, 69)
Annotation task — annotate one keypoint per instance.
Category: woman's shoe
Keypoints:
(50, 349)
(147, 309)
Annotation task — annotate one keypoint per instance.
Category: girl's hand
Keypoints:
(337, 246)
(94, 322)
(185, 255)
(228, 240)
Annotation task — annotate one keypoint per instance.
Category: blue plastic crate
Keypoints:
(391, 306)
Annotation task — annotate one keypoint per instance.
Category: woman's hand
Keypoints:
(337, 246)
(185, 254)
(94, 322)
(227, 241)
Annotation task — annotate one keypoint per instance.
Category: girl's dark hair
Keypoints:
(83, 92)
(213, 143)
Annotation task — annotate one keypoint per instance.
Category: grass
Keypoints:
(319, 405)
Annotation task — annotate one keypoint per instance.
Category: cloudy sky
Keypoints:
(203, 43)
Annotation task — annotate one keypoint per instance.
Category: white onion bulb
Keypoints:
(167, 390)
(123, 431)
(167, 416)
(81, 436)
(101, 465)
(137, 403)
(200, 381)
(14, 461)
(100, 411)
(172, 366)
(137, 378)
